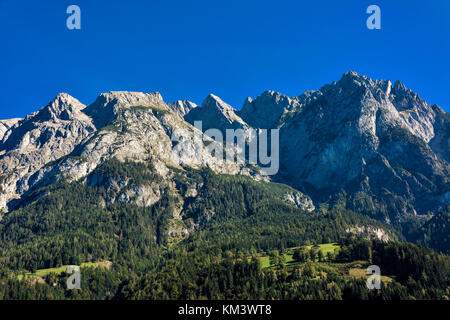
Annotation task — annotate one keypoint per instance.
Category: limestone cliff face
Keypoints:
(440, 142)
(369, 232)
(299, 200)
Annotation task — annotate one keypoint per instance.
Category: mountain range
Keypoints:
(374, 145)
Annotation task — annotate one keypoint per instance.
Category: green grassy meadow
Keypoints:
(325, 248)
(58, 270)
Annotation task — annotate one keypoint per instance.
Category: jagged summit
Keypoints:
(352, 74)
(105, 108)
(352, 79)
(213, 101)
(370, 137)
(65, 99)
(355, 74)
(215, 113)
(63, 107)
(265, 110)
(399, 86)
(127, 98)
(131, 97)
(183, 107)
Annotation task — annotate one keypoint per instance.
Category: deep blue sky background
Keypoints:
(235, 49)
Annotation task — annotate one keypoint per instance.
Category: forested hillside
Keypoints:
(232, 221)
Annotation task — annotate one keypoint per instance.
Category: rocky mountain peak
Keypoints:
(360, 86)
(62, 107)
(276, 98)
(351, 81)
(127, 98)
(215, 113)
(63, 112)
(353, 77)
(42, 137)
(182, 107)
(107, 105)
(352, 73)
(399, 86)
(131, 98)
(265, 110)
(214, 102)
(350, 131)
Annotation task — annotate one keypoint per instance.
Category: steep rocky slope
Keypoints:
(267, 109)
(370, 139)
(440, 143)
(5, 125)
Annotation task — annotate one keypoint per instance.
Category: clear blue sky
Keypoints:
(235, 49)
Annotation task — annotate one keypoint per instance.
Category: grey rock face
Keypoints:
(5, 125)
(266, 110)
(369, 232)
(107, 106)
(418, 116)
(440, 143)
(367, 138)
(300, 200)
(123, 190)
(183, 107)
